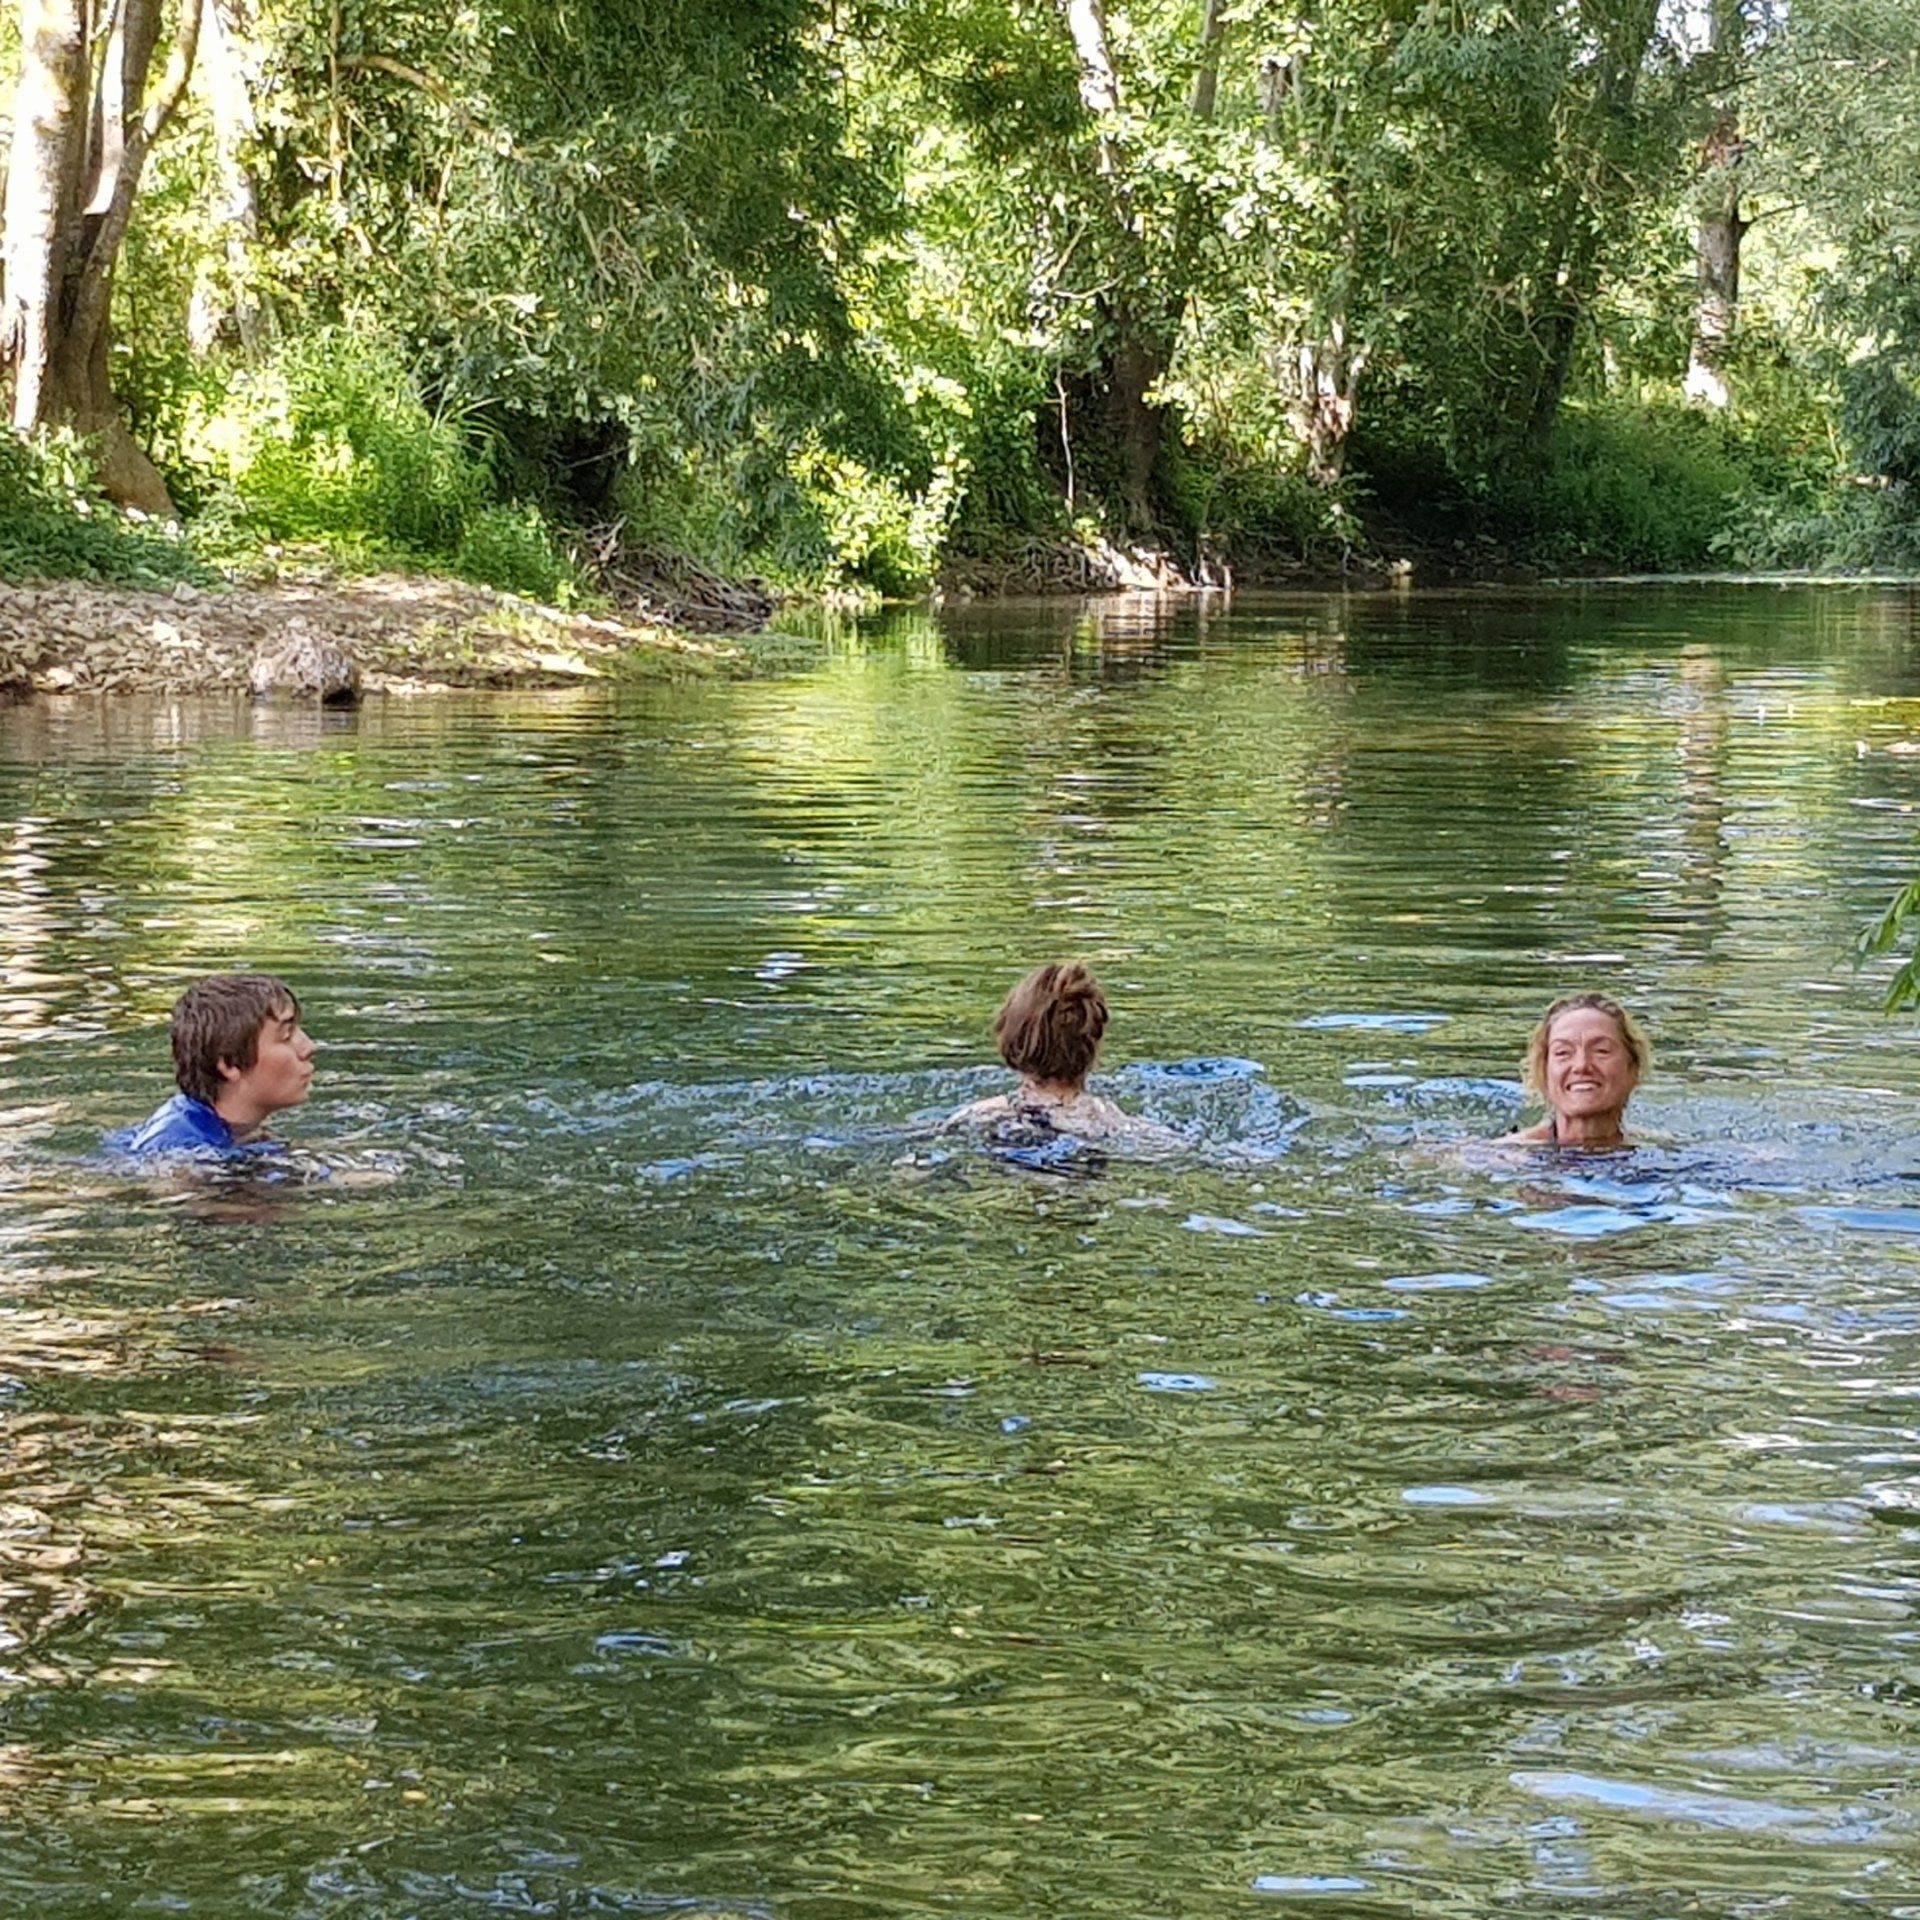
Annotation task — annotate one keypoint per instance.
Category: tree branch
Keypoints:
(173, 83)
(434, 88)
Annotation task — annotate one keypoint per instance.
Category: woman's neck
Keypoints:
(1051, 1093)
(1588, 1130)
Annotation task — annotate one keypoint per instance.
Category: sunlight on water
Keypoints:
(695, 1484)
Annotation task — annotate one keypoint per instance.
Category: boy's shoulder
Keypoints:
(180, 1125)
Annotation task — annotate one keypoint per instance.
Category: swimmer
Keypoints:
(1048, 1031)
(240, 1056)
(1584, 1060)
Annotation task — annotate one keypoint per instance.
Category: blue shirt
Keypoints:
(183, 1125)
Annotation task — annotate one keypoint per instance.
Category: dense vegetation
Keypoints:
(831, 289)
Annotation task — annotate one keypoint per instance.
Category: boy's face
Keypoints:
(282, 1071)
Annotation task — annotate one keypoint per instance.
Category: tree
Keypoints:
(1140, 317)
(1721, 229)
(85, 121)
(1600, 159)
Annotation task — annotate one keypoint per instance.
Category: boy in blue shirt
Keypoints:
(240, 1056)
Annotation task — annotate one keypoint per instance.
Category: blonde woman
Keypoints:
(1584, 1060)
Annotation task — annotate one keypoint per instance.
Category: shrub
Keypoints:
(1253, 513)
(876, 533)
(330, 440)
(56, 525)
(1645, 488)
(807, 519)
(513, 548)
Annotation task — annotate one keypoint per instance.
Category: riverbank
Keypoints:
(404, 633)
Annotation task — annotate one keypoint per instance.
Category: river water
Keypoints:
(687, 1485)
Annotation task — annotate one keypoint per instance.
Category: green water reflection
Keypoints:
(687, 1487)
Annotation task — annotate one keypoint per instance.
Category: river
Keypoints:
(653, 1473)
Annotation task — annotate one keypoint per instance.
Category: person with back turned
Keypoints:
(1048, 1030)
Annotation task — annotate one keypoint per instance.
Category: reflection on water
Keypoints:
(695, 1484)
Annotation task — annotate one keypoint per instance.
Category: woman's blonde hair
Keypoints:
(1639, 1049)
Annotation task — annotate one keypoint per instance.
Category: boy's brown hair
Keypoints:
(219, 1018)
(1049, 1026)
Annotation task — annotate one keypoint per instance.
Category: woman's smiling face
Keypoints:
(1590, 1067)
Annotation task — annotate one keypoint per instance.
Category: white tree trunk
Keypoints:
(1717, 239)
(48, 101)
(1099, 83)
(81, 139)
(226, 79)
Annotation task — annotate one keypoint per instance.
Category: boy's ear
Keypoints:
(226, 1069)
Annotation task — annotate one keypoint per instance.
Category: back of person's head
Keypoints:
(1049, 1026)
(1639, 1048)
(219, 1018)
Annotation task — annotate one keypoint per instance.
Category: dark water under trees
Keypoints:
(683, 1490)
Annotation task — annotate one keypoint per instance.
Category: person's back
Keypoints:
(239, 1056)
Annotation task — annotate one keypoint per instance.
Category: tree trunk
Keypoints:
(1717, 239)
(1099, 82)
(230, 302)
(82, 132)
(49, 117)
(1577, 257)
(1319, 375)
(1138, 356)
(1328, 373)
(1139, 424)
(1717, 305)
(1206, 73)
(1576, 281)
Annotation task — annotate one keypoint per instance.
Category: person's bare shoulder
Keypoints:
(979, 1113)
(1096, 1119)
(1527, 1136)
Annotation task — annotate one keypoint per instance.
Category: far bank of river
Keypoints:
(408, 633)
(404, 633)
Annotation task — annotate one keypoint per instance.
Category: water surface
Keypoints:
(691, 1486)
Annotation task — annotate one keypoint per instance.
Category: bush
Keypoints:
(330, 440)
(1008, 495)
(876, 533)
(1846, 526)
(1252, 513)
(808, 519)
(1880, 420)
(55, 524)
(1645, 488)
(514, 549)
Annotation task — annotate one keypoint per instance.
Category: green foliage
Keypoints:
(56, 525)
(1254, 514)
(331, 440)
(876, 534)
(1830, 457)
(825, 288)
(1880, 419)
(512, 547)
(1883, 935)
(806, 520)
(1644, 489)
(582, 211)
